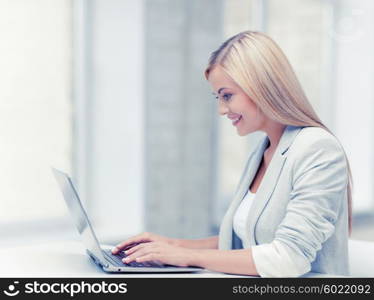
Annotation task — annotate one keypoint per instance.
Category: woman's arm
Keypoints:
(146, 237)
(227, 261)
(206, 243)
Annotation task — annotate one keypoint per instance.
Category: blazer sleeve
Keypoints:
(320, 179)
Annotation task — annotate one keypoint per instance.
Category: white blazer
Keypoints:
(301, 204)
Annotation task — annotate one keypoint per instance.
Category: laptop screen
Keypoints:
(78, 213)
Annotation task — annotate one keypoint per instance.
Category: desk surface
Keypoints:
(69, 259)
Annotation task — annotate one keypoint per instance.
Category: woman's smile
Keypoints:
(236, 121)
(235, 118)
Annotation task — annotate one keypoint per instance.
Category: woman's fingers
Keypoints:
(133, 249)
(123, 246)
(158, 253)
(138, 251)
(145, 253)
(140, 238)
(150, 258)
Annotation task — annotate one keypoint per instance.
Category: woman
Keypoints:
(291, 213)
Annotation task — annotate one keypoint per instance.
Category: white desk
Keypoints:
(69, 259)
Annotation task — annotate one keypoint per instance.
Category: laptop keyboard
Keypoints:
(116, 259)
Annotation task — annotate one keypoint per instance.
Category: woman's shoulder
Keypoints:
(315, 139)
(318, 151)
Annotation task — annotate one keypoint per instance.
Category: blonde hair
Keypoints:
(257, 64)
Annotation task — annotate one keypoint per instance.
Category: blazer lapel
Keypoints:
(264, 192)
(270, 179)
(250, 172)
(226, 228)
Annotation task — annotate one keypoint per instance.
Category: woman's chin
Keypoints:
(243, 132)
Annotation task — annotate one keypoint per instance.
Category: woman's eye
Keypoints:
(226, 97)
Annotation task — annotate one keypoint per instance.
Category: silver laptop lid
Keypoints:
(78, 213)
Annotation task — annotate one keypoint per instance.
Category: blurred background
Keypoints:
(113, 92)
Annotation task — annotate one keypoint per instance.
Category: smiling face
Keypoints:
(235, 103)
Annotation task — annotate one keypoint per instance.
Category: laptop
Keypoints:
(102, 255)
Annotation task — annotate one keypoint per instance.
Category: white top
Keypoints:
(275, 251)
(240, 216)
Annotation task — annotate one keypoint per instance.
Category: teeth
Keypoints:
(237, 119)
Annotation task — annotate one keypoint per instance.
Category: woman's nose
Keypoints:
(222, 108)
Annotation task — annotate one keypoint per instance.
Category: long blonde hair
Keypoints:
(257, 64)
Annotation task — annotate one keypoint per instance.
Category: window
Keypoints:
(35, 107)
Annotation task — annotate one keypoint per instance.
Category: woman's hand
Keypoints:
(160, 253)
(144, 237)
